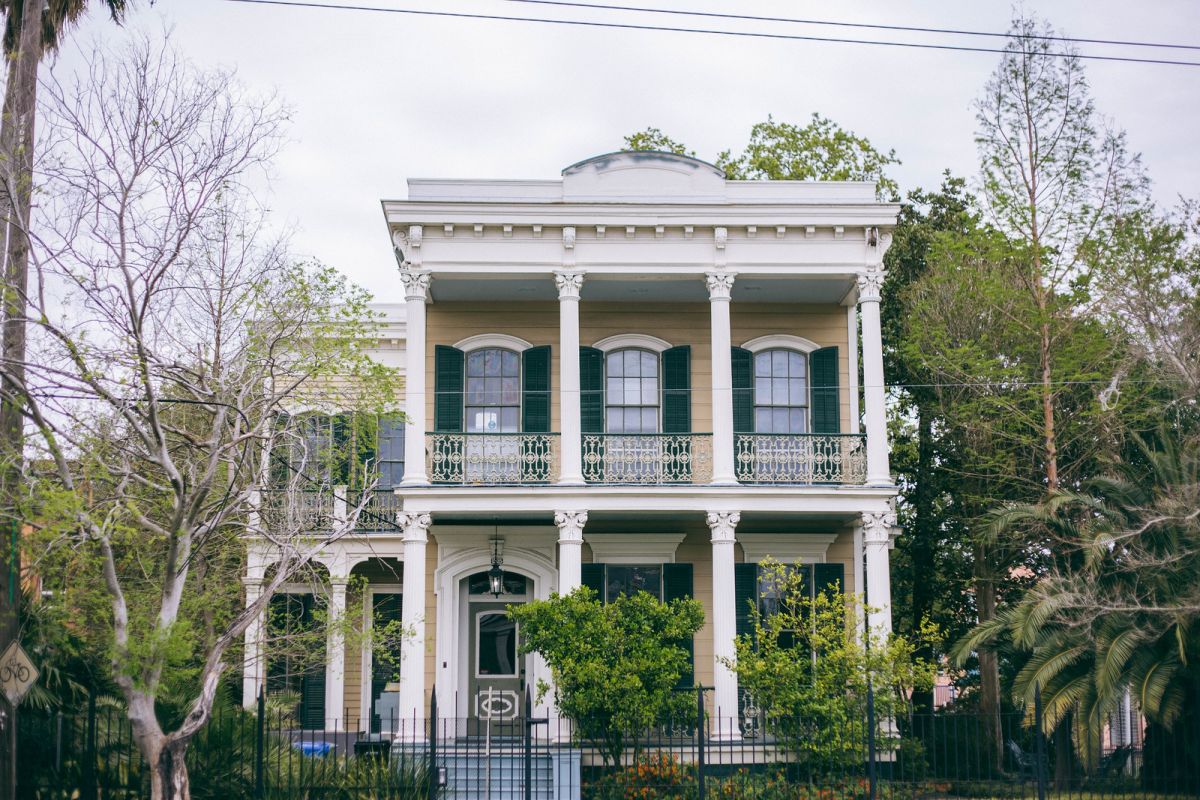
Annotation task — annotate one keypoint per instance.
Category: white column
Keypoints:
(720, 284)
(416, 286)
(412, 662)
(570, 549)
(877, 535)
(253, 656)
(335, 656)
(875, 416)
(852, 338)
(571, 466)
(723, 524)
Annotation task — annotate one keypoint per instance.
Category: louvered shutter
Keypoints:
(447, 389)
(745, 596)
(592, 576)
(677, 390)
(826, 413)
(742, 363)
(591, 411)
(678, 585)
(535, 412)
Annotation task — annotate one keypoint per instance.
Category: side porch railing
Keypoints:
(492, 458)
(647, 458)
(800, 458)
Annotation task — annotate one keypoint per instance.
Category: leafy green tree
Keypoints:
(818, 151)
(808, 670)
(652, 139)
(616, 666)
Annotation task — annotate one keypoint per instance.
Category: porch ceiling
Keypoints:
(639, 289)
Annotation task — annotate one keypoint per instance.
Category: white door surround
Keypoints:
(463, 551)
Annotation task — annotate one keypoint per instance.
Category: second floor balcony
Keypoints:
(509, 459)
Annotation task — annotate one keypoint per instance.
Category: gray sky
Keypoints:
(379, 98)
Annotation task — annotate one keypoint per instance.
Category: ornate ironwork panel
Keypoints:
(647, 458)
(492, 458)
(379, 514)
(298, 510)
(800, 458)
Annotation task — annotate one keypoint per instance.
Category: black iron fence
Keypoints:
(262, 753)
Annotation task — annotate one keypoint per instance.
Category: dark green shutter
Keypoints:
(829, 577)
(591, 411)
(677, 390)
(826, 412)
(742, 363)
(591, 390)
(745, 596)
(535, 412)
(677, 585)
(312, 701)
(535, 389)
(447, 389)
(592, 576)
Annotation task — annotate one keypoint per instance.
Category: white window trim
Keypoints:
(634, 549)
(781, 341)
(487, 340)
(786, 548)
(638, 341)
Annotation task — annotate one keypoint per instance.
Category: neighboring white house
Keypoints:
(640, 375)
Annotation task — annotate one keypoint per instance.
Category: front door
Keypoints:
(497, 677)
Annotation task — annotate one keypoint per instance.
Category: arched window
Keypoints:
(780, 391)
(631, 392)
(493, 387)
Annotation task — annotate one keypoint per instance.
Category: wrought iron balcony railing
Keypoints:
(800, 458)
(379, 513)
(298, 509)
(647, 458)
(492, 458)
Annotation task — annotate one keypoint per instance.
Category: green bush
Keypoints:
(654, 777)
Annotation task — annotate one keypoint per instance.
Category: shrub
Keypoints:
(655, 777)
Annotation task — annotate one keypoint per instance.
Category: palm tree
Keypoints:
(1120, 611)
(32, 28)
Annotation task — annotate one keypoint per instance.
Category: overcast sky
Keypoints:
(379, 98)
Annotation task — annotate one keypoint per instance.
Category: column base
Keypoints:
(571, 482)
(416, 481)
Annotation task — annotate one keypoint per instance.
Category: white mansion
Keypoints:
(638, 376)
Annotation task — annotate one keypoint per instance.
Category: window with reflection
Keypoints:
(631, 395)
(497, 650)
(493, 391)
(629, 579)
(780, 392)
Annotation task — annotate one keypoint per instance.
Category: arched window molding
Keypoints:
(638, 341)
(783, 341)
(498, 340)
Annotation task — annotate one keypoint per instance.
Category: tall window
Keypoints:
(631, 394)
(493, 391)
(391, 451)
(628, 580)
(780, 392)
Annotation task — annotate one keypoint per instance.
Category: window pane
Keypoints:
(796, 392)
(762, 391)
(475, 391)
(614, 390)
(616, 364)
(779, 420)
(649, 364)
(629, 580)
(779, 363)
(762, 365)
(632, 362)
(497, 645)
(475, 362)
(649, 420)
(779, 392)
(762, 420)
(491, 393)
(508, 420)
(796, 365)
(512, 391)
(615, 420)
(633, 392)
(510, 364)
(649, 391)
(798, 420)
(491, 362)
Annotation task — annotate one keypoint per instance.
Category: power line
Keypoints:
(709, 31)
(861, 25)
